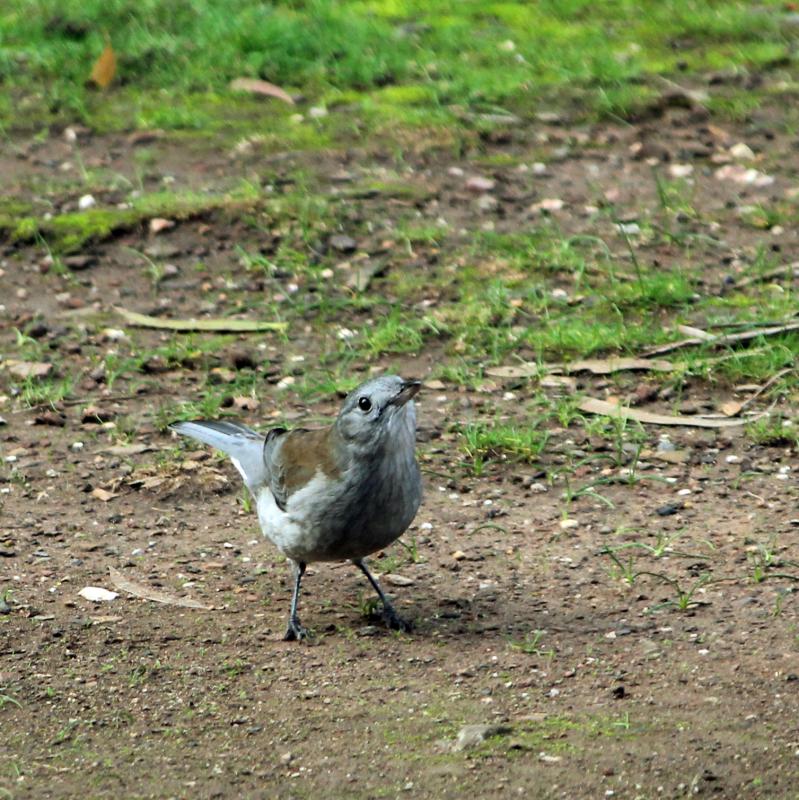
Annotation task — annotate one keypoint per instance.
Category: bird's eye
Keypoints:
(365, 404)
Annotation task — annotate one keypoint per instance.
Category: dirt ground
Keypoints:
(667, 686)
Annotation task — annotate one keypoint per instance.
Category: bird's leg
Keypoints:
(295, 630)
(392, 619)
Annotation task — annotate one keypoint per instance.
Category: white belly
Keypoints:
(292, 531)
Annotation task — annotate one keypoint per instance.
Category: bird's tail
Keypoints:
(244, 446)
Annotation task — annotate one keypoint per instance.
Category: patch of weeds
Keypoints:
(774, 429)
(46, 391)
(398, 333)
(70, 232)
(8, 700)
(530, 645)
(483, 441)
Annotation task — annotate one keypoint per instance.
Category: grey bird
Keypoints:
(338, 493)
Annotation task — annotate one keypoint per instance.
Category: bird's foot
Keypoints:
(295, 632)
(395, 622)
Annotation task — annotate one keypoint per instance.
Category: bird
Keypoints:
(336, 493)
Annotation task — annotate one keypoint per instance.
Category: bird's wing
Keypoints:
(244, 445)
(295, 458)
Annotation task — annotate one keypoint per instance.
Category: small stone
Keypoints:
(547, 205)
(477, 183)
(568, 524)
(96, 594)
(286, 758)
(459, 555)
(86, 201)
(742, 151)
(159, 224)
(114, 335)
(343, 243)
(470, 736)
(80, 262)
(669, 509)
(680, 170)
(398, 580)
(487, 202)
(317, 112)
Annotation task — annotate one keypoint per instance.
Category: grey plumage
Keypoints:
(341, 492)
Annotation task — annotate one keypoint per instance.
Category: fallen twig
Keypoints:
(217, 325)
(593, 405)
(718, 341)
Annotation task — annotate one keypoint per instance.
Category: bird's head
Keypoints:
(378, 409)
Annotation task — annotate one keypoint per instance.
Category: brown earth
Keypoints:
(603, 688)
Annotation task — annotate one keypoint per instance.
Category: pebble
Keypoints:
(86, 201)
(96, 594)
(742, 151)
(477, 183)
(343, 243)
(470, 736)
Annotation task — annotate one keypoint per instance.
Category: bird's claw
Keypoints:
(395, 622)
(295, 632)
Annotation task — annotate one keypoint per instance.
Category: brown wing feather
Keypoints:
(302, 454)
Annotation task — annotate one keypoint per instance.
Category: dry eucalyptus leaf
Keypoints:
(592, 405)
(103, 494)
(148, 593)
(105, 68)
(256, 86)
(220, 325)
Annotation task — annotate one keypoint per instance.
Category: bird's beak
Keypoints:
(408, 390)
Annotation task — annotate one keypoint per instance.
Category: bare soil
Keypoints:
(603, 688)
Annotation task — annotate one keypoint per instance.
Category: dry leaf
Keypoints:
(256, 86)
(126, 449)
(103, 494)
(104, 68)
(731, 409)
(220, 325)
(592, 405)
(605, 366)
(669, 456)
(520, 371)
(698, 333)
(148, 593)
(559, 382)
(158, 224)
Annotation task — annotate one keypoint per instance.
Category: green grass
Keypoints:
(483, 441)
(69, 232)
(395, 60)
